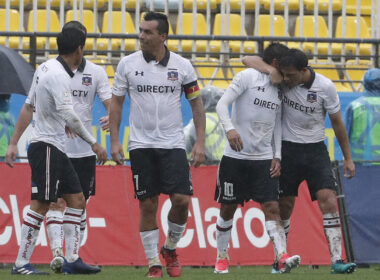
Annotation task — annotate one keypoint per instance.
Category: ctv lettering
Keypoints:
(79, 93)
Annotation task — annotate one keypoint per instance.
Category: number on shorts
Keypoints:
(228, 189)
(136, 181)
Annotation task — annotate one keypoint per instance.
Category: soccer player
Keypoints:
(155, 79)
(89, 80)
(307, 98)
(50, 97)
(250, 166)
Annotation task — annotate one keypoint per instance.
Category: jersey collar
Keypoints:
(164, 62)
(310, 82)
(67, 68)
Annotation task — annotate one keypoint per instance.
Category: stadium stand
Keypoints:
(279, 5)
(323, 5)
(365, 7)
(44, 21)
(329, 70)
(271, 26)
(200, 4)
(355, 70)
(13, 25)
(87, 4)
(209, 73)
(14, 3)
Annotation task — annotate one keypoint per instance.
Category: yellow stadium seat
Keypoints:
(365, 7)
(235, 66)
(42, 25)
(130, 44)
(187, 29)
(308, 31)
(264, 27)
(234, 27)
(207, 70)
(323, 5)
(351, 23)
(89, 4)
(110, 73)
(129, 4)
(201, 4)
(236, 5)
(355, 70)
(53, 3)
(14, 19)
(14, 3)
(329, 70)
(88, 22)
(280, 4)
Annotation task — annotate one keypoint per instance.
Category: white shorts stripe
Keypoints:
(47, 173)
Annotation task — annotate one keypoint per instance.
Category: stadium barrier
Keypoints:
(113, 237)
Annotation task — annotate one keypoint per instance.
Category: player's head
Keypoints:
(274, 52)
(69, 40)
(294, 67)
(154, 31)
(75, 24)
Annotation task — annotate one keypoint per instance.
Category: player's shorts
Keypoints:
(52, 172)
(240, 180)
(310, 162)
(158, 171)
(85, 167)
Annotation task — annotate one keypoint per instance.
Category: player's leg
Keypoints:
(54, 226)
(175, 181)
(145, 180)
(322, 186)
(224, 225)
(75, 205)
(42, 158)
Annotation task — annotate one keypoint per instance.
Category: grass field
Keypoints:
(241, 273)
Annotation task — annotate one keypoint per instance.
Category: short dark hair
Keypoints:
(69, 40)
(294, 58)
(163, 24)
(274, 51)
(75, 24)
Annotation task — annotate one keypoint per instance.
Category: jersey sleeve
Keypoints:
(190, 83)
(103, 89)
(120, 83)
(60, 88)
(331, 99)
(32, 91)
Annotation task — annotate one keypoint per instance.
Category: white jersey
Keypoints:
(50, 92)
(155, 90)
(305, 107)
(89, 80)
(256, 115)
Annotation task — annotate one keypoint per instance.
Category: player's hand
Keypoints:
(11, 154)
(104, 121)
(275, 168)
(117, 153)
(100, 152)
(69, 132)
(198, 154)
(349, 168)
(235, 141)
(276, 77)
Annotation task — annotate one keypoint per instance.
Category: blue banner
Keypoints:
(362, 195)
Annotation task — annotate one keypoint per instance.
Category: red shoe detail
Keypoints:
(173, 267)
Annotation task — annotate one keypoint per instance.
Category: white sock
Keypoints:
(286, 225)
(223, 235)
(71, 228)
(54, 225)
(331, 225)
(29, 233)
(150, 242)
(83, 224)
(175, 232)
(277, 235)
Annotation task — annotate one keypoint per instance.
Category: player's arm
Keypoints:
(277, 134)
(341, 134)
(224, 103)
(25, 117)
(256, 62)
(104, 121)
(116, 108)
(199, 119)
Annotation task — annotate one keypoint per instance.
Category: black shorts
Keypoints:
(310, 162)
(52, 172)
(242, 180)
(85, 168)
(158, 171)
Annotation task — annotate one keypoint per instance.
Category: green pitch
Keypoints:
(238, 273)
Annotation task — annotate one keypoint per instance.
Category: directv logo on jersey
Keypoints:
(86, 80)
(173, 75)
(311, 97)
